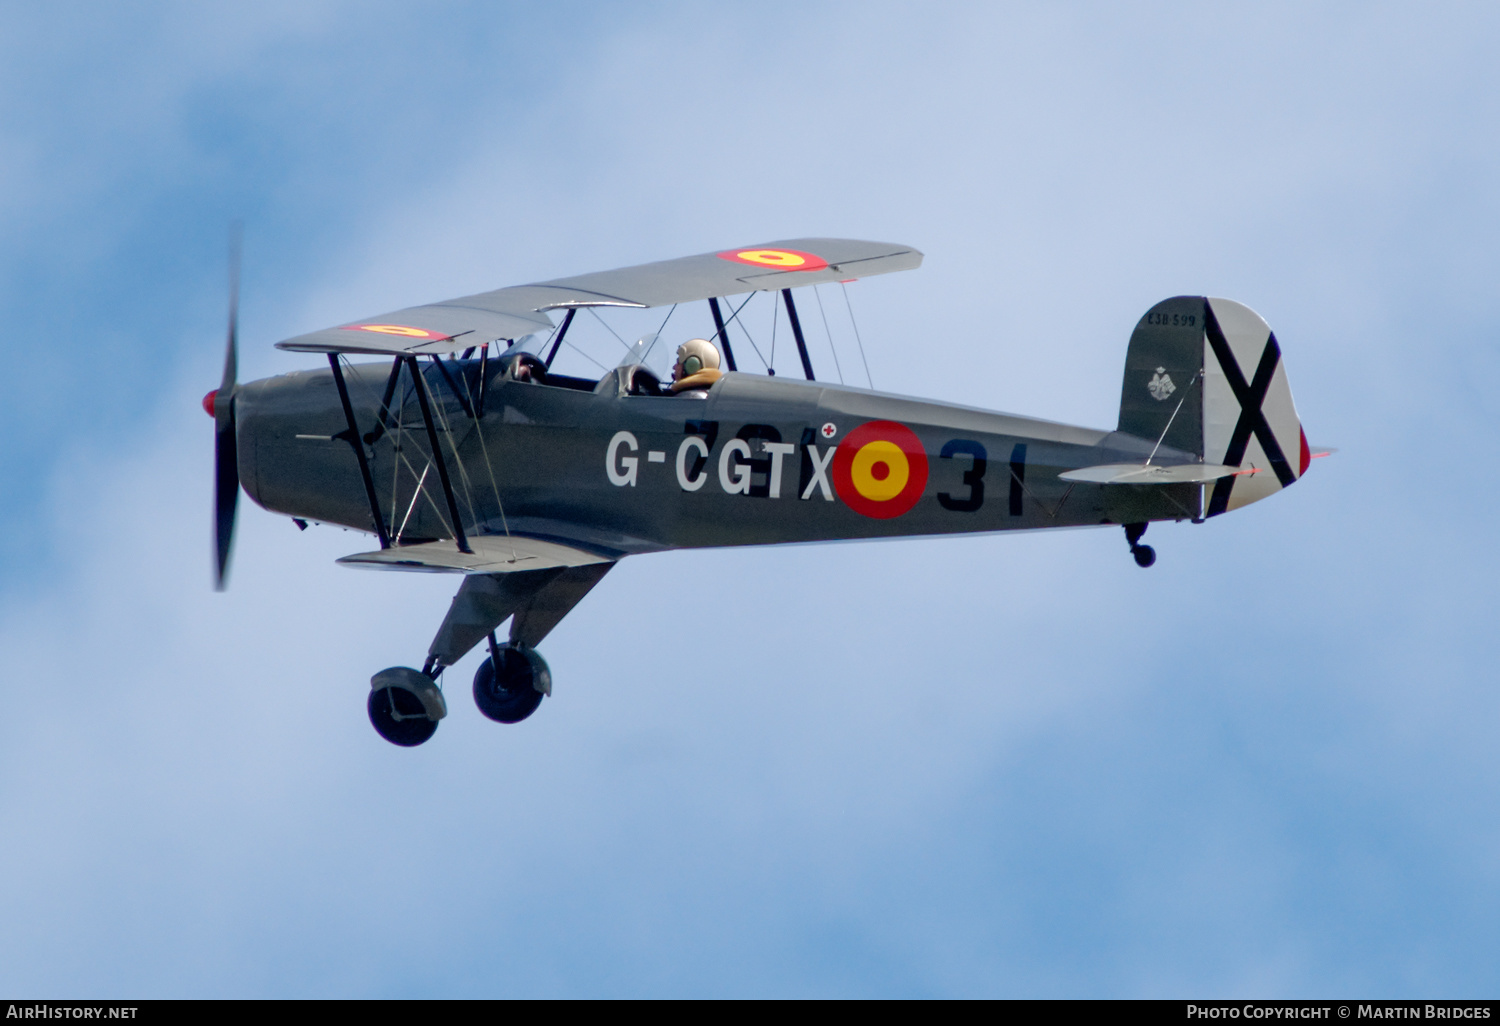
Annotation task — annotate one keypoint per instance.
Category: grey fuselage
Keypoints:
(593, 465)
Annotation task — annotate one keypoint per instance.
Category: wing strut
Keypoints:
(437, 453)
(557, 344)
(791, 312)
(723, 336)
(381, 418)
(484, 363)
(358, 444)
(453, 387)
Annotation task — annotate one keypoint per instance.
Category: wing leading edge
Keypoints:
(506, 313)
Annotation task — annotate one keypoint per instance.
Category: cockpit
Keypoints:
(649, 367)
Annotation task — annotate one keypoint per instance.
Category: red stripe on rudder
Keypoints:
(1306, 453)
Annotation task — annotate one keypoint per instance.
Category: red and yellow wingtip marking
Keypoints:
(880, 469)
(777, 259)
(398, 329)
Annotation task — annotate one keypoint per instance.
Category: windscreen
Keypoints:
(532, 345)
(655, 353)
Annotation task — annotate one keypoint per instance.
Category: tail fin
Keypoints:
(1205, 376)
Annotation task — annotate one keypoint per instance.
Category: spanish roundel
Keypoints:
(397, 329)
(777, 259)
(880, 469)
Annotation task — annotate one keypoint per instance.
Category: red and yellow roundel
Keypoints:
(777, 259)
(880, 469)
(396, 329)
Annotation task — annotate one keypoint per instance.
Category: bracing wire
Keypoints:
(857, 339)
(396, 451)
(750, 338)
(360, 384)
(607, 328)
(396, 464)
(667, 318)
(415, 495)
(490, 470)
(831, 346)
(463, 475)
(775, 310)
(656, 338)
(1173, 417)
(586, 356)
(367, 393)
(424, 493)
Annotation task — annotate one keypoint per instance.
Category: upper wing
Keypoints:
(522, 309)
(493, 554)
(769, 265)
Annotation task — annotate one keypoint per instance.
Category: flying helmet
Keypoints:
(696, 354)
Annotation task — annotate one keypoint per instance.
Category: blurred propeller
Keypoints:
(226, 453)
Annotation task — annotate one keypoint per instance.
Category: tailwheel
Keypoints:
(405, 706)
(509, 685)
(1144, 555)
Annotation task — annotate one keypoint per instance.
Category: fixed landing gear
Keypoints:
(405, 706)
(1144, 555)
(510, 684)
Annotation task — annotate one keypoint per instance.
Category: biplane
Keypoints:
(465, 449)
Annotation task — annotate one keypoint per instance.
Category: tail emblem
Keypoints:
(1160, 386)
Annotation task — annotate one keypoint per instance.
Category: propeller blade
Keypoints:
(226, 451)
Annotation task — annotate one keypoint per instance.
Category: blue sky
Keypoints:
(1007, 766)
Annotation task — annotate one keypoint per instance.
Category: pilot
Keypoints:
(697, 366)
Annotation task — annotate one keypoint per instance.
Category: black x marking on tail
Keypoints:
(1252, 419)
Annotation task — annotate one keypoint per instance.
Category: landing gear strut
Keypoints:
(509, 685)
(405, 705)
(1144, 555)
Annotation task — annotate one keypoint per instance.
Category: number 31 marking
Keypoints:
(973, 477)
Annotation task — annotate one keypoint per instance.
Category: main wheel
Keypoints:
(398, 716)
(508, 693)
(1144, 555)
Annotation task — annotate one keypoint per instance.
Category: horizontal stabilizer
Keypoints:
(493, 554)
(1149, 473)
